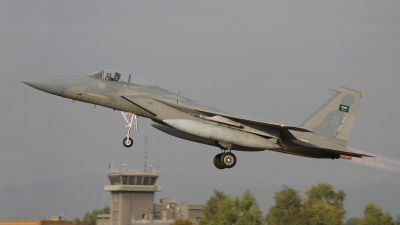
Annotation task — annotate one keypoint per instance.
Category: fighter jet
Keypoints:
(323, 134)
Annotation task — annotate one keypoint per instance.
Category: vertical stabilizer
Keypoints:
(335, 118)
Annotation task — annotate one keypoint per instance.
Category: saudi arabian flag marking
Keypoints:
(344, 108)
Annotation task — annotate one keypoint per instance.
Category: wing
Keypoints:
(259, 123)
(269, 130)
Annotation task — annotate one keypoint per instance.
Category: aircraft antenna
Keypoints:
(145, 152)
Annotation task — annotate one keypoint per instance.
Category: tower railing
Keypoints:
(133, 172)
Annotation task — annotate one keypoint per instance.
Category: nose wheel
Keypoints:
(127, 141)
(225, 160)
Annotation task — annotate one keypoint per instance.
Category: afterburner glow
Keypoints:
(380, 162)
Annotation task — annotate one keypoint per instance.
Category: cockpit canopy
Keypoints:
(117, 76)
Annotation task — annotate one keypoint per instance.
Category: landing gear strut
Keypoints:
(127, 141)
(225, 160)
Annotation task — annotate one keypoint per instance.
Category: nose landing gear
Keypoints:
(127, 141)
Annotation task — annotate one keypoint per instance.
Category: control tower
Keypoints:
(132, 199)
(132, 195)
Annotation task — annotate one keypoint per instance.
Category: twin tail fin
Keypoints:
(334, 119)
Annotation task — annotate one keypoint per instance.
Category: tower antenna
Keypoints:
(157, 162)
(145, 152)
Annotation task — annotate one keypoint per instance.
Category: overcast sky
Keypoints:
(272, 60)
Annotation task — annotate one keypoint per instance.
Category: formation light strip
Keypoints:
(100, 96)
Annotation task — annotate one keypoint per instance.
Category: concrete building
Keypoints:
(132, 200)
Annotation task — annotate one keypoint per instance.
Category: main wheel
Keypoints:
(127, 142)
(218, 162)
(228, 160)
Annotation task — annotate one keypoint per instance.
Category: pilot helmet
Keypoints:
(117, 76)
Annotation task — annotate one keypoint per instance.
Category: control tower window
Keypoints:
(124, 179)
(139, 180)
(115, 180)
(146, 181)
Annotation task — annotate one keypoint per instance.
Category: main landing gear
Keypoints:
(225, 160)
(127, 141)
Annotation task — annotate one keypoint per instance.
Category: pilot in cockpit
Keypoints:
(108, 77)
(117, 76)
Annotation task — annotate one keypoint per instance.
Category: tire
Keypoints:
(127, 142)
(218, 162)
(228, 160)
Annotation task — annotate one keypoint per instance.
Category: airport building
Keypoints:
(132, 200)
(55, 220)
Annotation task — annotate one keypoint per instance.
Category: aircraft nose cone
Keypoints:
(50, 85)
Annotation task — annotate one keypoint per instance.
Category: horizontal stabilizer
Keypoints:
(347, 153)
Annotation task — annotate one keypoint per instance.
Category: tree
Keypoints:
(182, 222)
(397, 222)
(324, 192)
(288, 208)
(213, 208)
(222, 209)
(324, 205)
(319, 213)
(225, 214)
(91, 217)
(373, 215)
(352, 221)
(247, 209)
